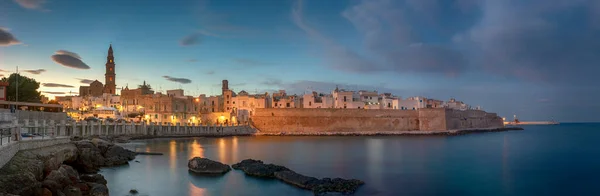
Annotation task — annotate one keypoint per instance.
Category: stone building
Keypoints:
(315, 100)
(96, 88)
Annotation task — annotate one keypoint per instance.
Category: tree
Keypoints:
(28, 88)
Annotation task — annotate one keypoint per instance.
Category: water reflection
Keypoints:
(196, 150)
(234, 149)
(222, 150)
(195, 190)
(375, 159)
(172, 155)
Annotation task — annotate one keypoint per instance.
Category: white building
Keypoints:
(347, 99)
(244, 105)
(411, 103)
(314, 100)
(456, 105)
(386, 101)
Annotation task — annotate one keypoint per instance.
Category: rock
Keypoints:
(258, 168)
(133, 191)
(122, 139)
(327, 185)
(100, 153)
(58, 177)
(206, 166)
(52, 186)
(101, 144)
(296, 179)
(117, 155)
(70, 173)
(245, 163)
(46, 192)
(72, 191)
(94, 178)
(7, 194)
(84, 188)
(89, 157)
(98, 189)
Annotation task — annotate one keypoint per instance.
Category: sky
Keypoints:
(531, 58)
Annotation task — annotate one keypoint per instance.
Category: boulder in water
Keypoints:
(206, 166)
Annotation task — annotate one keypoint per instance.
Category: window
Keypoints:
(309, 103)
(164, 116)
(366, 97)
(213, 110)
(344, 98)
(213, 102)
(110, 60)
(358, 107)
(110, 69)
(227, 102)
(156, 116)
(287, 105)
(389, 105)
(234, 102)
(176, 107)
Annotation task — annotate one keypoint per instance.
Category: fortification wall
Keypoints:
(472, 119)
(327, 120)
(306, 120)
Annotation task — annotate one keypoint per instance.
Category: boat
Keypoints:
(516, 121)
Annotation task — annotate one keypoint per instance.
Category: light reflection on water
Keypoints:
(506, 163)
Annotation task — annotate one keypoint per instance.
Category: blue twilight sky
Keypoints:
(538, 59)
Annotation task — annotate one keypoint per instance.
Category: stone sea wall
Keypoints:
(361, 121)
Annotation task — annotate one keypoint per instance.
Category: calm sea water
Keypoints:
(541, 160)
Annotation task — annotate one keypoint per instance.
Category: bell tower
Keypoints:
(109, 76)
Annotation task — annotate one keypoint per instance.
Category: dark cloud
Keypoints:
(56, 85)
(552, 43)
(272, 82)
(69, 59)
(85, 81)
(250, 62)
(190, 40)
(31, 4)
(338, 56)
(179, 80)
(53, 93)
(6, 38)
(35, 71)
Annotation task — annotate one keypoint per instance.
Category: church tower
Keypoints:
(109, 77)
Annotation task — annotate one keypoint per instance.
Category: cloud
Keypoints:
(69, 59)
(85, 81)
(391, 35)
(180, 80)
(250, 62)
(56, 85)
(53, 93)
(210, 72)
(272, 82)
(540, 42)
(31, 4)
(35, 71)
(7, 39)
(337, 55)
(191, 39)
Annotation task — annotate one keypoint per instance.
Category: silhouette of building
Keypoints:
(96, 88)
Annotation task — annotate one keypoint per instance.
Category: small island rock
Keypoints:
(206, 166)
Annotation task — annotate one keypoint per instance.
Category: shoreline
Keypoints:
(381, 133)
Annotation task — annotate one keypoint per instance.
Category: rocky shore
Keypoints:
(391, 133)
(68, 169)
(325, 186)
